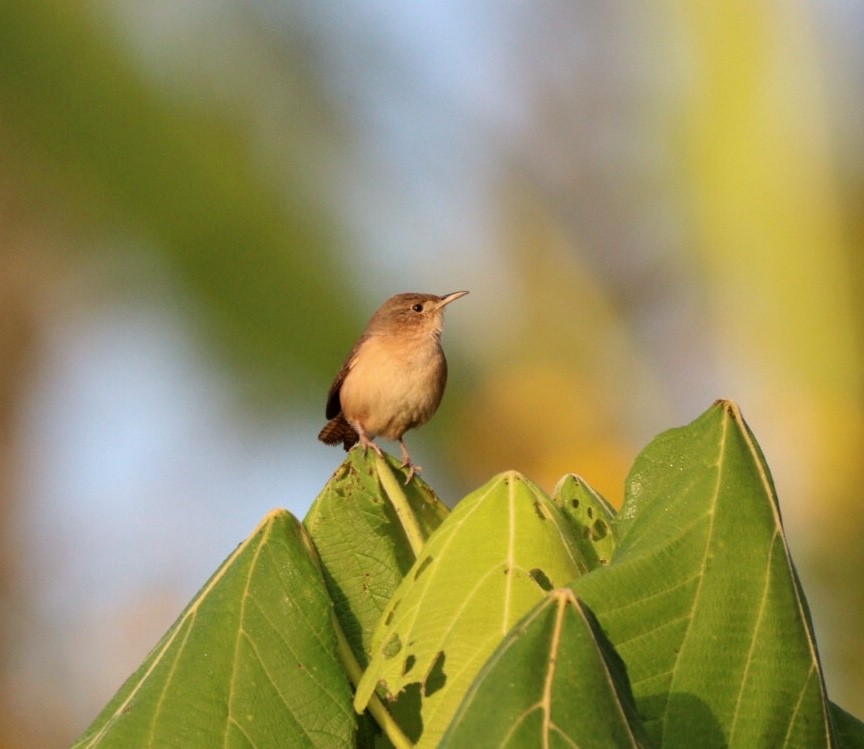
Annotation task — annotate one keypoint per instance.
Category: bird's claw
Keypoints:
(367, 443)
(412, 470)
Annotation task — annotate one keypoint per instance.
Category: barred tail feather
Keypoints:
(339, 430)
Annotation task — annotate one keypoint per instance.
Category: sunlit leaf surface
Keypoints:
(251, 662)
(495, 556)
(592, 515)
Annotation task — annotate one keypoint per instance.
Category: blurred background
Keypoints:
(653, 204)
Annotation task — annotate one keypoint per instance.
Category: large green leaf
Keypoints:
(702, 601)
(592, 515)
(493, 558)
(251, 662)
(362, 541)
(555, 681)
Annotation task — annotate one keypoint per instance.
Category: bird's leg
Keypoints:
(366, 442)
(406, 462)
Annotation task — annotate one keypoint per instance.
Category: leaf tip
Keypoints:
(512, 477)
(276, 516)
(729, 407)
(364, 692)
(565, 596)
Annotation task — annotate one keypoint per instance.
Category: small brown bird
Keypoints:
(394, 376)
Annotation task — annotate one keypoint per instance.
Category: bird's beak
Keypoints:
(445, 300)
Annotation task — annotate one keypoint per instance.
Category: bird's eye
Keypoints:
(417, 307)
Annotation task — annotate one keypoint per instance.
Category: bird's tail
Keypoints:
(339, 430)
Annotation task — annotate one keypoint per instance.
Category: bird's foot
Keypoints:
(406, 463)
(412, 471)
(367, 443)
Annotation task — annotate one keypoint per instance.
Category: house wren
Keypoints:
(394, 377)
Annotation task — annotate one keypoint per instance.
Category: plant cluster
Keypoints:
(517, 619)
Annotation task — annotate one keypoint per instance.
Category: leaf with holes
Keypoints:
(365, 525)
(702, 601)
(252, 661)
(494, 557)
(592, 515)
(555, 680)
(361, 540)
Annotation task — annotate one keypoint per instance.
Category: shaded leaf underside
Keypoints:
(702, 601)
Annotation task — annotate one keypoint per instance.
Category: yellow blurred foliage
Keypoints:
(553, 388)
(549, 417)
(770, 235)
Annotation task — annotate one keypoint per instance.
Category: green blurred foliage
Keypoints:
(257, 256)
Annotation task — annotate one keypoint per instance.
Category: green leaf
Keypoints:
(362, 542)
(555, 680)
(251, 662)
(592, 515)
(367, 527)
(702, 601)
(847, 728)
(496, 555)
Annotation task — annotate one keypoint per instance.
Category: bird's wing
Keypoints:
(334, 405)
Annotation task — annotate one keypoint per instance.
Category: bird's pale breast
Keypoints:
(394, 384)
